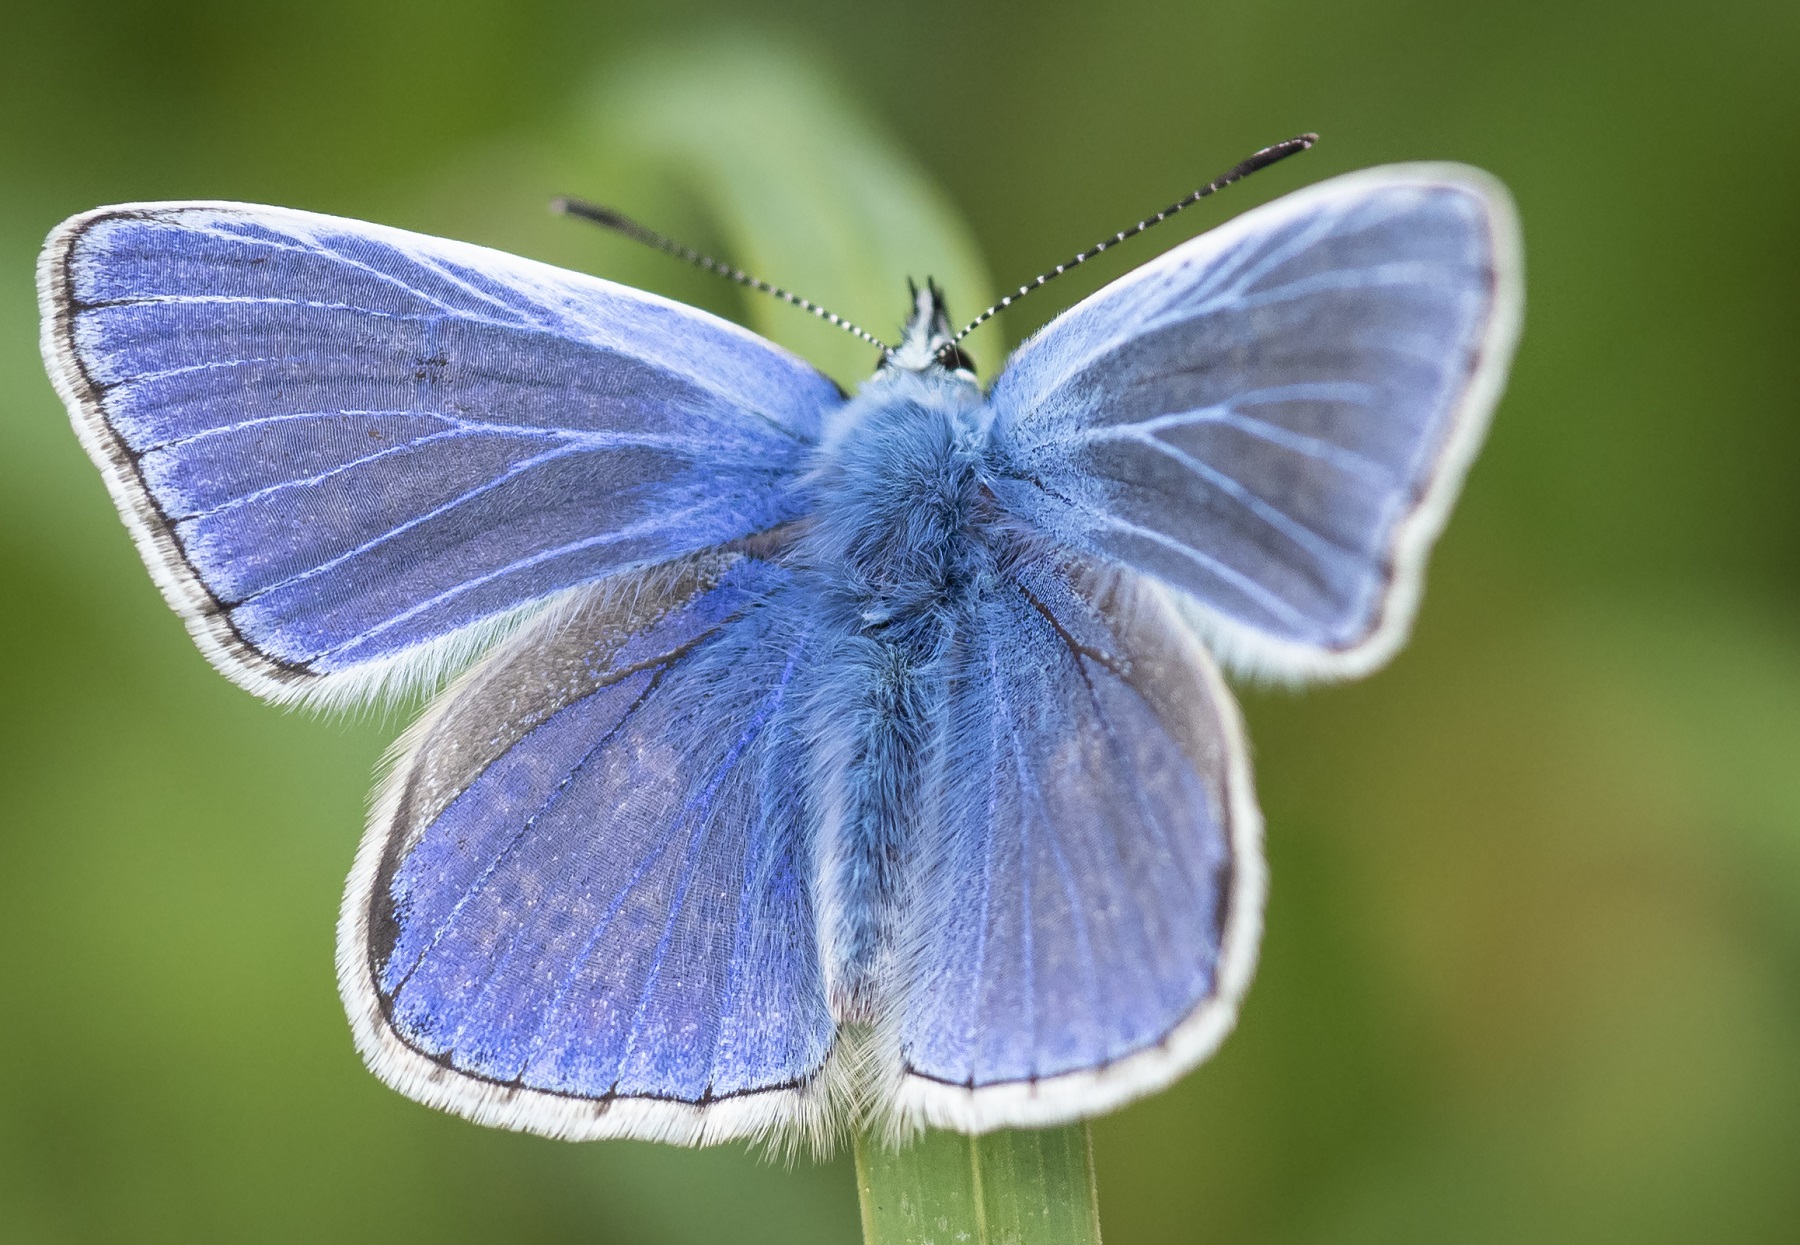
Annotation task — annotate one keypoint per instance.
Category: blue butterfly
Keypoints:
(814, 759)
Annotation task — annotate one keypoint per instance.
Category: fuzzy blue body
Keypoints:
(904, 543)
(824, 756)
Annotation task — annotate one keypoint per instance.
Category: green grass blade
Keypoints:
(1026, 1187)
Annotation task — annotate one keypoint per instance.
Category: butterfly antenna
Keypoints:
(1261, 160)
(620, 223)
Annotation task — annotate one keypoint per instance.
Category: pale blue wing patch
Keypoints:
(584, 907)
(1274, 418)
(1085, 911)
(341, 445)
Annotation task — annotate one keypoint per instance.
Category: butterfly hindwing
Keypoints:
(584, 904)
(1274, 417)
(1085, 912)
(339, 443)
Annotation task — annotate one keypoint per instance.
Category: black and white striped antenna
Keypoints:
(621, 223)
(1261, 160)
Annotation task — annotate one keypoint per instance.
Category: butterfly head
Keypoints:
(928, 343)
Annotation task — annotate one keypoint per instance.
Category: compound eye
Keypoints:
(951, 356)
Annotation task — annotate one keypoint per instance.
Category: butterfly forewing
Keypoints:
(338, 443)
(1274, 417)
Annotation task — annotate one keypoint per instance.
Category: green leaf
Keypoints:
(1024, 1187)
(805, 191)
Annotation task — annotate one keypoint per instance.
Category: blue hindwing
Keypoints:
(584, 906)
(1088, 895)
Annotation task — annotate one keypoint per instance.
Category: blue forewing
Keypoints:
(338, 443)
(1275, 417)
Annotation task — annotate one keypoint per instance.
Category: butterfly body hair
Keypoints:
(904, 539)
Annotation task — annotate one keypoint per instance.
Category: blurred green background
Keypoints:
(1533, 962)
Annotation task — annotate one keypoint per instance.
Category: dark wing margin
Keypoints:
(353, 456)
(1275, 417)
(1090, 904)
(583, 906)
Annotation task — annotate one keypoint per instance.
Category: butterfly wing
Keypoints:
(343, 449)
(583, 905)
(1086, 913)
(1275, 417)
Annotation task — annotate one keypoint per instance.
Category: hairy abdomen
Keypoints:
(904, 540)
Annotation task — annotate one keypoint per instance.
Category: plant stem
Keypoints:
(1024, 1187)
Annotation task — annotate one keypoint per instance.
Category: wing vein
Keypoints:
(518, 469)
(1273, 516)
(525, 827)
(534, 559)
(768, 706)
(1027, 789)
(1203, 560)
